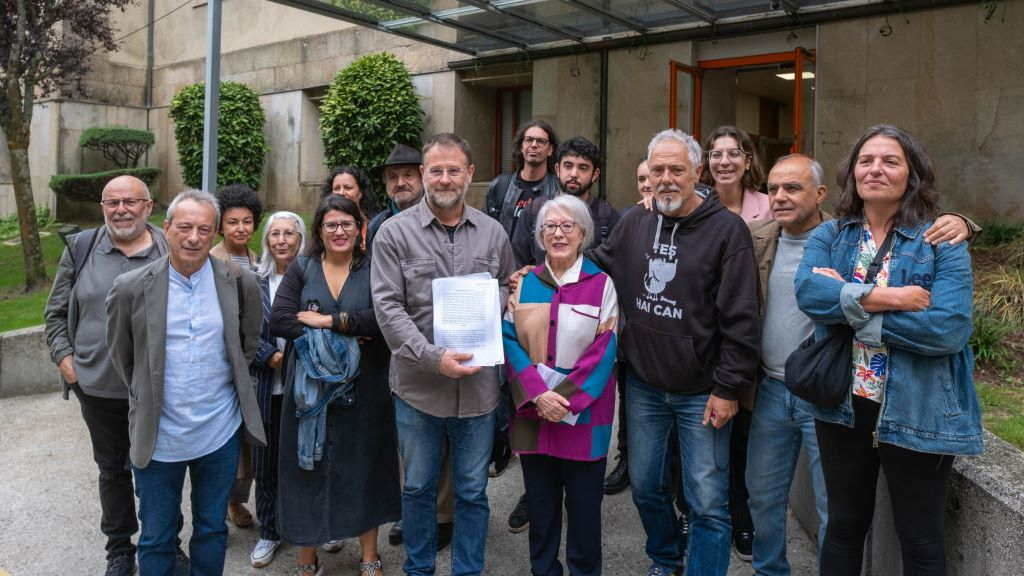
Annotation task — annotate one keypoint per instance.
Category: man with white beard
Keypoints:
(687, 281)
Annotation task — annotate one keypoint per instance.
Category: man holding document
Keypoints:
(443, 393)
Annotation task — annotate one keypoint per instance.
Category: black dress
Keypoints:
(355, 486)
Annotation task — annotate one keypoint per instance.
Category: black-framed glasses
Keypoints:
(128, 202)
(346, 226)
(565, 227)
(530, 140)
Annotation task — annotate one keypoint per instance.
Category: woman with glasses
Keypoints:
(284, 237)
(733, 169)
(354, 184)
(560, 342)
(338, 474)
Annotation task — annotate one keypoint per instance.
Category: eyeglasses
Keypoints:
(128, 202)
(453, 173)
(347, 226)
(732, 153)
(530, 140)
(565, 227)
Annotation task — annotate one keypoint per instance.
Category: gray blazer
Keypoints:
(136, 334)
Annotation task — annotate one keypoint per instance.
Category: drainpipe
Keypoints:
(148, 90)
(211, 112)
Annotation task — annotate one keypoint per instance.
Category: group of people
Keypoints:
(311, 367)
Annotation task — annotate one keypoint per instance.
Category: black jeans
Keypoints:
(264, 464)
(739, 507)
(917, 486)
(548, 480)
(107, 421)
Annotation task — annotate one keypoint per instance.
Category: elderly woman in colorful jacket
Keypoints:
(560, 341)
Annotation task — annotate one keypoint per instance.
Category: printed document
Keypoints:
(467, 317)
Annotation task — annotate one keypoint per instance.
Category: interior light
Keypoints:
(792, 75)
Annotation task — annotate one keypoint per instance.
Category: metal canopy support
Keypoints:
(211, 104)
(431, 17)
(356, 18)
(628, 23)
(485, 5)
(693, 9)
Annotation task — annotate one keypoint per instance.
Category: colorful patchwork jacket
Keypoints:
(569, 325)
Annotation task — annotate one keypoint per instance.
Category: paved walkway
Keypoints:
(49, 510)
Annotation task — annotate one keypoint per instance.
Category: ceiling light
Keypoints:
(792, 75)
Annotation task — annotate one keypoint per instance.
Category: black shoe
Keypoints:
(121, 565)
(519, 520)
(395, 534)
(618, 479)
(444, 534)
(182, 565)
(500, 457)
(744, 542)
(684, 532)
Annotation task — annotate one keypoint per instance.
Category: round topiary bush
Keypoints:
(370, 106)
(240, 143)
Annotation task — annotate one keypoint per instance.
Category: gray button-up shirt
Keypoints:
(76, 313)
(410, 250)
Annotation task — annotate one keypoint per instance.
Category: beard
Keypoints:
(577, 192)
(406, 197)
(126, 234)
(668, 205)
(445, 199)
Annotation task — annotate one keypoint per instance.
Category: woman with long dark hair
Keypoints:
(338, 466)
(912, 406)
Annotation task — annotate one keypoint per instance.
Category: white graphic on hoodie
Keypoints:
(662, 263)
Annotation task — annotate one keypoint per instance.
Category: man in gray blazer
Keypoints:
(182, 332)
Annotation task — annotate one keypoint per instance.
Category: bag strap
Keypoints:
(876, 264)
(81, 248)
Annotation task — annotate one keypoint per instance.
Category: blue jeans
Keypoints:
(781, 424)
(421, 438)
(705, 482)
(158, 487)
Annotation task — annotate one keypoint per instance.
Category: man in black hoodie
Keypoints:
(687, 283)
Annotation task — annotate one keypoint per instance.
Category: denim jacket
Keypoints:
(929, 404)
(326, 366)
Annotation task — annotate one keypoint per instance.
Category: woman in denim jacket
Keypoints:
(912, 406)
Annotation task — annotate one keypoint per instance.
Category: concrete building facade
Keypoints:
(951, 75)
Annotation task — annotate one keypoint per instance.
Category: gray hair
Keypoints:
(199, 197)
(266, 264)
(817, 172)
(575, 208)
(671, 134)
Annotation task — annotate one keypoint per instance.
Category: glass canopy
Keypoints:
(491, 27)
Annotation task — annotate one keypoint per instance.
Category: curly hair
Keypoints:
(579, 146)
(335, 202)
(240, 196)
(366, 203)
(920, 202)
(517, 144)
(753, 178)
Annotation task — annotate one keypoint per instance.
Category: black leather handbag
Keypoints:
(821, 371)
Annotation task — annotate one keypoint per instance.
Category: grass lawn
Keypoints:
(1002, 410)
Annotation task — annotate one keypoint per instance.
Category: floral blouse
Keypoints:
(870, 363)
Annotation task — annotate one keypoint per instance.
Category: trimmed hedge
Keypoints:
(122, 146)
(89, 187)
(241, 147)
(370, 106)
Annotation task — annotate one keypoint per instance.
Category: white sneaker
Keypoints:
(263, 553)
(333, 546)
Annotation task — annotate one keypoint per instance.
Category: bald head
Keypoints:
(126, 207)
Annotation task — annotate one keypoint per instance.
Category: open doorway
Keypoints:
(769, 96)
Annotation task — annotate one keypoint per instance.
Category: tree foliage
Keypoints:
(241, 146)
(370, 106)
(89, 187)
(44, 44)
(122, 146)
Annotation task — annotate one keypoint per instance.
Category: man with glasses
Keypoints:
(438, 399)
(76, 334)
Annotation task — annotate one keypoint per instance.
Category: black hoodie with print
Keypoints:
(688, 292)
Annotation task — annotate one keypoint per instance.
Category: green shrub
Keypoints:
(999, 233)
(370, 106)
(241, 146)
(989, 341)
(1000, 294)
(89, 187)
(122, 146)
(9, 227)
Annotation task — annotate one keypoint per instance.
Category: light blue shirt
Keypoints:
(200, 406)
